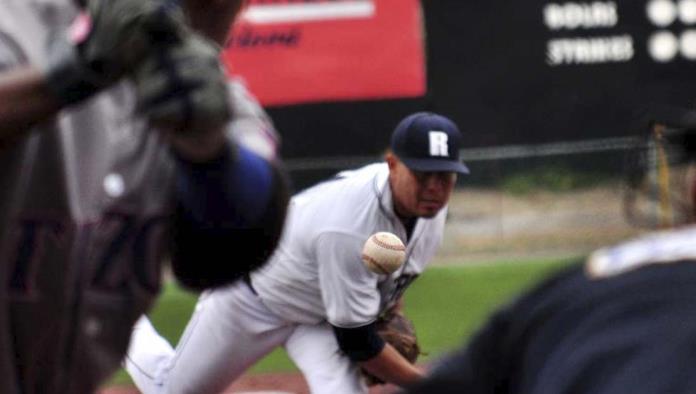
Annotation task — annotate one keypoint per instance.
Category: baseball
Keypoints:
(383, 253)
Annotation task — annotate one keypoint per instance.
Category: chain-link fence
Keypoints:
(527, 202)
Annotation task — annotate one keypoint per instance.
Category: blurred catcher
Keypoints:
(118, 139)
(620, 321)
(660, 171)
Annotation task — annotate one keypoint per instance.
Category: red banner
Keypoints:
(296, 51)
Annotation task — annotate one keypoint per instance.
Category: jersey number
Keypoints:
(116, 249)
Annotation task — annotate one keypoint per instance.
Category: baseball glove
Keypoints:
(398, 331)
(104, 44)
(183, 87)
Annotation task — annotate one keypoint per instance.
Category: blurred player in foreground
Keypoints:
(623, 321)
(315, 297)
(115, 153)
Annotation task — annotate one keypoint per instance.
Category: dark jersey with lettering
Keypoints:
(623, 322)
(86, 202)
(85, 213)
(82, 239)
(82, 234)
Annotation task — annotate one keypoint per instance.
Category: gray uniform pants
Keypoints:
(229, 331)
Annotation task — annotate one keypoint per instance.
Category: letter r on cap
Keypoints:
(438, 143)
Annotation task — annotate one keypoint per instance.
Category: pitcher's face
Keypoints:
(416, 193)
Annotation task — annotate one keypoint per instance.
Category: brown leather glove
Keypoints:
(398, 331)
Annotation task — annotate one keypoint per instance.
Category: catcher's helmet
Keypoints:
(661, 176)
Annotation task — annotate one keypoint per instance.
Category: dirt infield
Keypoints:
(487, 225)
(263, 383)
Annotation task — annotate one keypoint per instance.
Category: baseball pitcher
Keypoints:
(315, 297)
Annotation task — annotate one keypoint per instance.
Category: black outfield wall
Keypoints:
(523, 72)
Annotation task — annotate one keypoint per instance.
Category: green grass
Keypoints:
(553, 178)
(447, 304)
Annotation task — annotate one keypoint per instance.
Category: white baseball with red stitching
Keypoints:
(383, 253)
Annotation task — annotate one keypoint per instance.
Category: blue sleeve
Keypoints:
(232, 190)
(229, 217)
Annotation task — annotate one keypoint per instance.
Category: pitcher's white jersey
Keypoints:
(315, 279)
(316, 273)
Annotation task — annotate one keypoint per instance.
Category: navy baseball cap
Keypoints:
(426, 141)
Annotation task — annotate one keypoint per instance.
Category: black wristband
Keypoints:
(359, 343)
(67, 77)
